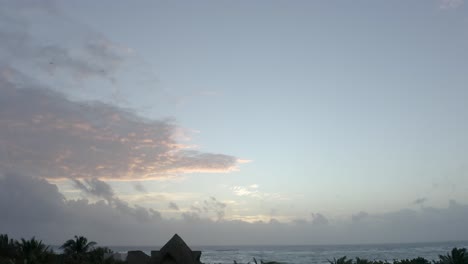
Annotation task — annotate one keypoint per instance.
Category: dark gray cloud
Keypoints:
(213, 205)
(319, 219)
(95, 187)
(34, 206)
(359, 216)
(100, 189)
(420, 200)
(173, 206)
(24, 199)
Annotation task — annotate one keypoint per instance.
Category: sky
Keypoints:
(234, 122)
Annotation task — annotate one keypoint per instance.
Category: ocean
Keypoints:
(316, 254)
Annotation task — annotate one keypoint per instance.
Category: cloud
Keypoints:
(36, 207)
(173, 206)
(319, 219)
(44, 43)
(195, 209)
(273, 211)
(253, 191)
(359, 216)
(100, 189)
(26, 199)
(139, 187)
(191, 217)
(92, 54)
(213, 205)
(48, 6)
(420, 201)
(449, 4)
(34, 197)
(51, 136)
(246, 190)
(95, 187)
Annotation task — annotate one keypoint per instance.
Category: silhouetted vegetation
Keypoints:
(261, 262)
(412, 261)
(341, 260)
(33, 251)
(8, 249)
(77, 250)
(81, 251)
(456, 256)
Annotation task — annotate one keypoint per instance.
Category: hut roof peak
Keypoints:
(176, 242)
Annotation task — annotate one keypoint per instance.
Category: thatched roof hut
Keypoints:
(174, 252)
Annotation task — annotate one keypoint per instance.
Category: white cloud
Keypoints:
(254, 192)
(245, 191)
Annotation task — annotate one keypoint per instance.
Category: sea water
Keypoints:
(316, 254)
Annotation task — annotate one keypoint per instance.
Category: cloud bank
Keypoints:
(36, 207)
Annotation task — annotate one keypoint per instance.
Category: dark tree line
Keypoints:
(75, 251)
(81, 251)
(456, 256)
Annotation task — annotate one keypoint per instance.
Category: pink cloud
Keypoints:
(50, 136)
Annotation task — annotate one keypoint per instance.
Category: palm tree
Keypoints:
(341, 260)
(8, 249)
(34, 251)
(77, 247)
(418, 260)
(363, 261)
(98, 255)
(457, 256)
